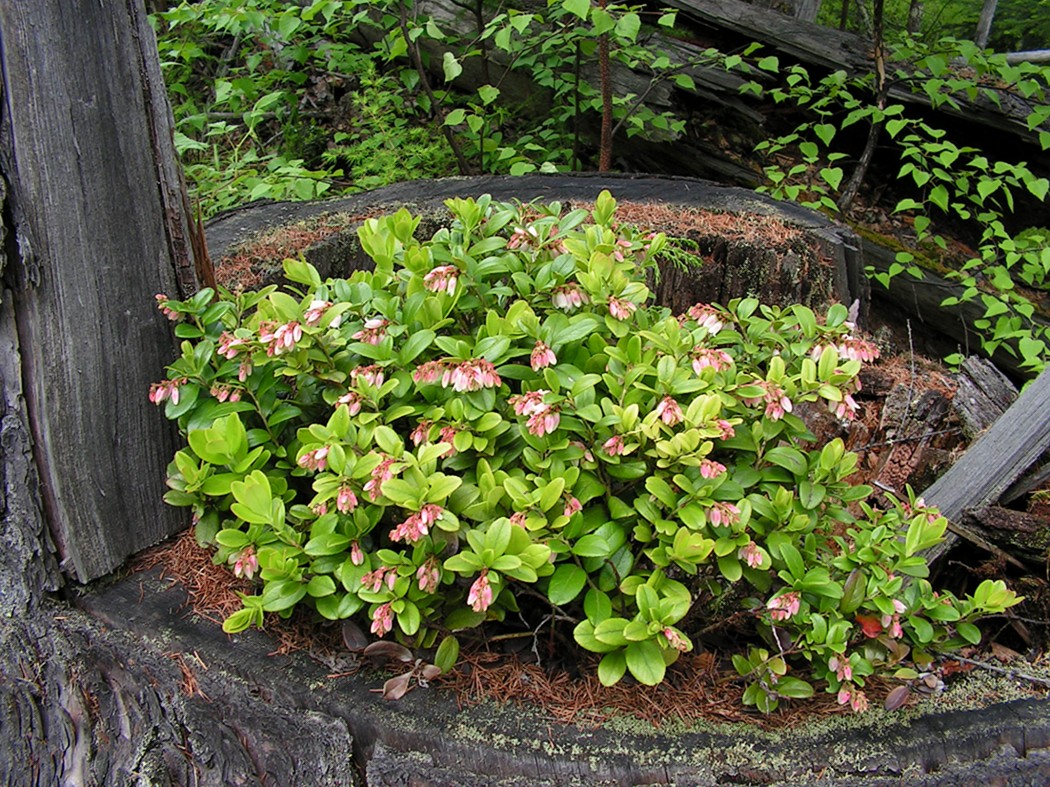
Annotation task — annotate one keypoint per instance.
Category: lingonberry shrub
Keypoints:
(499, 420)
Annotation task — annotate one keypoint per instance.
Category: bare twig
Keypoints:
(875, 129)
(306, 113)
(911, 375)
(424, 80)
(912, 439)
(1010, 673)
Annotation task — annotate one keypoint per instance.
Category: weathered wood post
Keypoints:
(95, 224)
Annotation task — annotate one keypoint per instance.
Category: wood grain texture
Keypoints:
(984, 394)
(89, 158)
(1009, 447)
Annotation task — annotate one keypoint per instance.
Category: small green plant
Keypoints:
(497, 425)
(386, 143)
(258, 89)
(951, 183)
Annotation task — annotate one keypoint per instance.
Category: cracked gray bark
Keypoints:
(97, 227)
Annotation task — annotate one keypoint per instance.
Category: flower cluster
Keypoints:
(621, 309)
(372, 374)
(705, 358)
(723, 514)
(417, 525)
(442, 279)
(851, 348)
(224, 393)
(569, 297)
(751, 554)
(346, 500)
(428, 575)
(615, 446)
(543, 417)
(352, 400)
(783, 606)
(542, 357)
(316, 311)
(167, 389)
(380, 577)
(853, 697)
(373, 486)
(668, 411)
(162, 304)
(230, 345)
(382, 620)
(434, 447)
(278, 339)
(706, 316)
(373, 331)
(472, 375)
(245, 563)
(776, 401)
(480, 596)
(314, 460)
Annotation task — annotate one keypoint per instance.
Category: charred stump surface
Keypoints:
(820, 266)
(425, 739)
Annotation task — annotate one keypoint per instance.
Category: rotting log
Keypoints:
(988, 468)
(1017, 533)
(832, 49)
(916, 424)
(984, 394)
(805, 41)
(922, 299)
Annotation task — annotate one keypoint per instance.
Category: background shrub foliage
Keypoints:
(298, 100)
(498, 426)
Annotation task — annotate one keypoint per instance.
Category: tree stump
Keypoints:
(743, 244)
(123, 685)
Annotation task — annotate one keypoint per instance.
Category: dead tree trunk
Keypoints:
(96, 223)
(984, 24)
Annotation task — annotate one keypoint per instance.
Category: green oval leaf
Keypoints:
(566, 583)
(646, 662)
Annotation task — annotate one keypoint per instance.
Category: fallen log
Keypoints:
(983, 395)
(913, 425)
(922, 299)
(1001, 455)
(1019, 534)
(826, 47)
